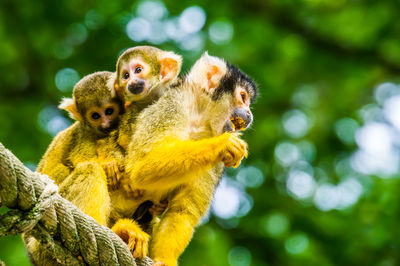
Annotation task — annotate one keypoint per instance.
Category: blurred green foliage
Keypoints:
(303, 197)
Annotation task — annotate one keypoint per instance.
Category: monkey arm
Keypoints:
(173, 162)
(86, 187)
(54, 162)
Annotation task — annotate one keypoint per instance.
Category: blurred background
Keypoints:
(321, 185)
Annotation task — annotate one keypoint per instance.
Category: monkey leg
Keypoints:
(86, 187)
(173, 161)
(136, 239)
(171, 236)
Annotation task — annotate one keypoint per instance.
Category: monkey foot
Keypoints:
(133, 235)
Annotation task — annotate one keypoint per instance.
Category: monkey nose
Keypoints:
(136, 88)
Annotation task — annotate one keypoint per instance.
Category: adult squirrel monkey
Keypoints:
(178, 150)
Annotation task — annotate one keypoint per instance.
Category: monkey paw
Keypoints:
(136, 239)
(158, 209)
(113, 173)
(132, 192)
(235, 151)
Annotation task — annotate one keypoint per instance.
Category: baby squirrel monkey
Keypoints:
(176, 150)
(72, 157)
(143, 74)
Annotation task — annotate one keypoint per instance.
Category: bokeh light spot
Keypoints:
(375, 138)
(307, 150)
(297, 244)
(194, 42)
(192, 19)
(250, 176)
(277, 224)
(287, 153)
(326, 197)
(239, 256)
(77, 34)
(300, 184)
(305, 96)
(94, 20)
(152, 10)
(50, 120)
(226, 200)
(385, 91)
(157, 33)
(138, 29)
(391, 111)
(345, 129)
(349, 190)
(66, 79)
(221, 32)
(296, 123)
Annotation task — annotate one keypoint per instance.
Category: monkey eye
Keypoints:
(109, 111)
(138, 70)
(95, 115)
(126, 75)
(243, 95)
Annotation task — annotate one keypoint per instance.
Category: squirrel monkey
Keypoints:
(72, 157)
(176, 150)
(143, 74)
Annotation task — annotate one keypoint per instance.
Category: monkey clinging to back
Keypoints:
(72, 155)
(178, 150)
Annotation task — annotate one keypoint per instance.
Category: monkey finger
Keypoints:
(145, 248)
(131, 243)
(138, 250)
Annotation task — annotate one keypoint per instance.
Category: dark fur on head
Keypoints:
(233, 78)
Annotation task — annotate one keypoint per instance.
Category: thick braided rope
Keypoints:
(37, 210)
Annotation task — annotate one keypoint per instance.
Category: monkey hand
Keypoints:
(234, 152)
(137, 240)
(113, 172)
(133, 192)
(158, 209)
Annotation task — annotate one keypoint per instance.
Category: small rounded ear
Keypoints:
(171, 64)
(207, 72)
(68, 104)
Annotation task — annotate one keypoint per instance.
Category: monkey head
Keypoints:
(143, 71)
(229, 90)
(94, 103)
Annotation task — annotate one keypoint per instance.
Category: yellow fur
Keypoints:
(176, 154)
(83, 163)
